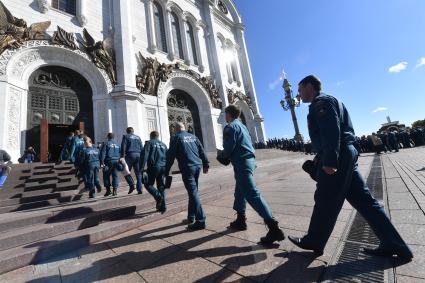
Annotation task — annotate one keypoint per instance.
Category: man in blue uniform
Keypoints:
(77, 144)
(238, 149)
(109, 156)
(338, 177)
(90, 162)
(66, 150)
(131, 150)
(155, 158)
(191, 158)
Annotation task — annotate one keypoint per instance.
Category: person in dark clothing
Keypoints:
(90, 164)
(155, 158)
(109, 158)
(191, 157)
(131, 150)
(338, 177)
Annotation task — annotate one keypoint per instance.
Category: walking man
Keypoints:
(90, 163)
(155, 158)
(131, 150)
(239, 151)
(191, 158)
(109, 158)
(338, 177)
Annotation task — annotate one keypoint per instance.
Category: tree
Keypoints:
(419, 124)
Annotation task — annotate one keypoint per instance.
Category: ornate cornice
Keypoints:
(235, 96)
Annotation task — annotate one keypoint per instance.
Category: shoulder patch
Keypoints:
(321, 108)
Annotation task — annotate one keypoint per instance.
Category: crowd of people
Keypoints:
(334, 169)
(386, 141)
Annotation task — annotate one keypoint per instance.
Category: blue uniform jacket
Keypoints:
(154, 154)
(237, 143)
(77, 145)
(131, 144)
(188, 150)
(330, 127)
(90, 157)
(110, 152)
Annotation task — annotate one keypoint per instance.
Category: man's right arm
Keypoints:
(171, 155)
(123, 146)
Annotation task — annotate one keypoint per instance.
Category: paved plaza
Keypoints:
(164, 251)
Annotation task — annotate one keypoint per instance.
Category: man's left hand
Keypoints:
(329, 170)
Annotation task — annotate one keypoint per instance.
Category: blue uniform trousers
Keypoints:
(91, 174)
(190, 176)
(156, 174)
(246, 190)
(111, 171)
(347, 184)
(133, 161)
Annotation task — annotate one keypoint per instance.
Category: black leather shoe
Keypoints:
(239, 224)
(188, 221)
(197, 225)
(114, 192)
(275, 234)
(108, 192)
(299, 243)
(404, 254)
(131, 190)
(99, 189)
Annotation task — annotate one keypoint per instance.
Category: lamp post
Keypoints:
(289, 103)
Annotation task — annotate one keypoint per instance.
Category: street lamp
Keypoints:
(289, 103)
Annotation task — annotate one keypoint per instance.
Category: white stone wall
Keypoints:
(128, 22)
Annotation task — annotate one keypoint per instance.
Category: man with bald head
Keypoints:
(191, 157)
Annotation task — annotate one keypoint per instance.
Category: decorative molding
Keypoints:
(43, 5)
(154, 75)
(14, 116)
(235, 96)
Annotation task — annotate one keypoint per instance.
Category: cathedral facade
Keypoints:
(104, 65)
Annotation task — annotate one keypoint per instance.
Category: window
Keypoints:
(67, 6)
(193, 57)
(234, 69)
(177, 37)
(161, 38)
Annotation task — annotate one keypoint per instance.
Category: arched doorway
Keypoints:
(62, 97)
(182, 108)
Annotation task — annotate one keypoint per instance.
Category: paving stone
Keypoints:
(183, 267)
(416, 267)
(407, 279)
(408, 217)
(29, 274)
(412, 233)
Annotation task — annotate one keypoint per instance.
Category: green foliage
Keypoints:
(419, 124)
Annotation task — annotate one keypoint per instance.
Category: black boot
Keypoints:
(98, 188)
(159, 203)
(240, 223)
(402, 253)
(131, 190)
(274, 234)
(108, 192)
(130, 182)
(114, 192)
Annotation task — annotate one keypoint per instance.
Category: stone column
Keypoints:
(185, 41)
(248, 80)
(169, 34)
(151, 26)
(82, 12)
(126, 96)
(197, 35)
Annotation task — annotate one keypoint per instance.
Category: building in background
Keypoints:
(103, 65)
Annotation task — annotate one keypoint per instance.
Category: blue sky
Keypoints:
(367, 53)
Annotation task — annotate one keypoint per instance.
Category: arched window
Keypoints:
(67, 6)
(193, 56)
(161, 38)
(234, 69)
(177, 36)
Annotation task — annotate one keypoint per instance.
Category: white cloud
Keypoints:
(421, 63)
(275, 84)
(380, 109)
(398, 68)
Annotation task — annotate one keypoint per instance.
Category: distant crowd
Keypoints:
(382, 142)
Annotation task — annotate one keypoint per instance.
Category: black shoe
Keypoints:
(99, 189)
(188, 221)
(240, 223)
(404, 254)
(114, 192)
(299, 243)
(131, 190)
(91, 195)
(197, 225)
(108, 192)
(275, 234)
(140, 192)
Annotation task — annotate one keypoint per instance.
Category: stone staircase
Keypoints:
(45, 212)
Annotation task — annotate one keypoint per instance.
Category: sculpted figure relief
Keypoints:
(14, 32)
(101, 53)
(234, 96)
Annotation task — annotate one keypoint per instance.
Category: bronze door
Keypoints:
(182, 108)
